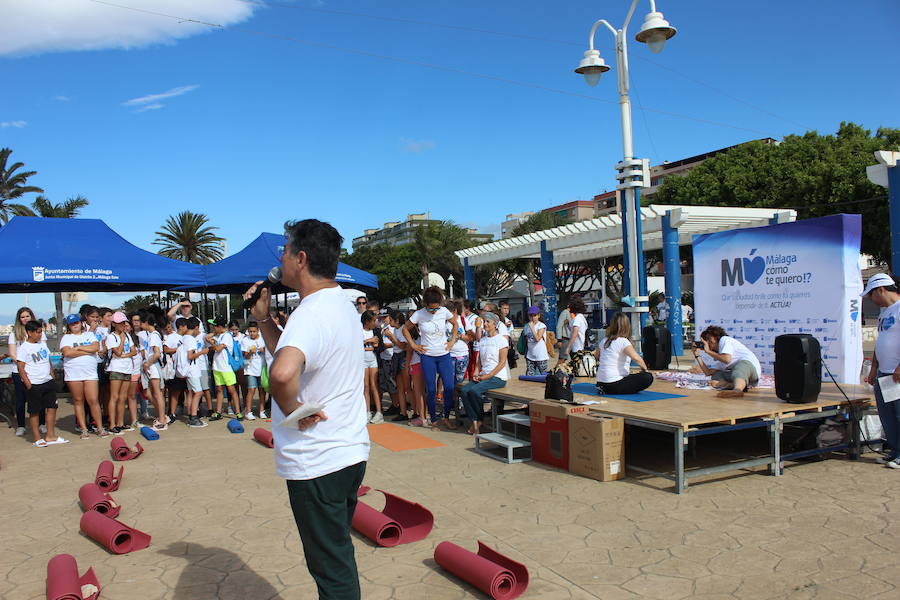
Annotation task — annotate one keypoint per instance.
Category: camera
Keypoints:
(699, 345)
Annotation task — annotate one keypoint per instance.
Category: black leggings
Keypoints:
(630, 384)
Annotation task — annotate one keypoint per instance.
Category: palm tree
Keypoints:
(13, 186)
(67, 210)
(435, 244)
(187, 237)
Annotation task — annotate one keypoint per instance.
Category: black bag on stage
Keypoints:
(558, 386)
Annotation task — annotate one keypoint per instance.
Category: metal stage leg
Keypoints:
(680, 479)
(775, 468)
(855, 412)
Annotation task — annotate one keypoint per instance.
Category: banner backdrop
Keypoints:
(800, 277)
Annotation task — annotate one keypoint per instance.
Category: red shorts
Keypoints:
(415, 369)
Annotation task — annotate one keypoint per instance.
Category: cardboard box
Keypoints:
(597, 446)
(550, 431)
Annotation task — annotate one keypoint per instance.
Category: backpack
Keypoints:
(590, 339)
(235, 357)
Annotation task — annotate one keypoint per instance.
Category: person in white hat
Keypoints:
(882, 290)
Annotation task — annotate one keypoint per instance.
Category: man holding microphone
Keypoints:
(318, 359)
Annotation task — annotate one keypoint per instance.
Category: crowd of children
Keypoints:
(431, 363)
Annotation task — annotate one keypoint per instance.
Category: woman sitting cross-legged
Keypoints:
(614, 357)
(492, 371)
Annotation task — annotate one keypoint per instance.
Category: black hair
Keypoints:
(399, 316)
(713, 331)
(469, 305)
(503, 303)
(233, 323)
(366, 317)
(576, 305)
(86, 309)
(104, 309)
(33, 326)
(432, 295)
(220, 322)
(319, 241)
(252, 324)
(149, 319)
(193, 322)
(181, 321)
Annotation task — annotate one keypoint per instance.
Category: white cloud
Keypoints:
(417, 146)
(16, 124)
(62, 98)
(38, 26)
(155, 98)
(156, 106)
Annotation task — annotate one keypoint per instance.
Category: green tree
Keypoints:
(188, 237)
(13, 186)
(397, 267)
(815, 174)
(137, 302)
(435, 245)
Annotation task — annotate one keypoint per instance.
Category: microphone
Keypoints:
(272, 278)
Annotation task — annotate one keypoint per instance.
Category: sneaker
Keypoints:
(239, 416)
(215, 417)
(145, 416)
(263, 415)
(392, 410)
(172, 419)
(229, 412)
(43, 428)
(417, 422)
(399, 418)
(195, 422)
(20, 431)
(377, 418)
(128, 427)
(249, 416)
(369, 418)
(893, 464)
(885, 458)
(116, 431)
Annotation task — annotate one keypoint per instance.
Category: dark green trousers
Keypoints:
(323, 509)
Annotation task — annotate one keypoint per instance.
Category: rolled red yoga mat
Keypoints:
(63, 582)
(401, 521)
(121, 451)
(494, 574)
(264, 437)
(116, 537)
(93, 497)
(106, 477)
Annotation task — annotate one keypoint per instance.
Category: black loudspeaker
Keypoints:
(798, 367)
(657, 346)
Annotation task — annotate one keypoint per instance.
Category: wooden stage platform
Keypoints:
(701, 413)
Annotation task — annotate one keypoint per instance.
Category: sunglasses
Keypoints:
(433, 310)
(361, 303)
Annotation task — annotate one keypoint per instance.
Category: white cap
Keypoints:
(877, 281)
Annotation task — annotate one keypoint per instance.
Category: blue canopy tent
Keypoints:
(235, 273)
(68, 255)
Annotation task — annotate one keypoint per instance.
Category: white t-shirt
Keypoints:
(387, 353)
(154, 340)
(662, 311)
(460, 348)
(100, 334)
(887, 346)
(489, 354)
(537, 350)
(433, 330)
(613, 363)
(738, 351)
(220, 360)
(117, 364)
(79, 368)
(325, 327)
(178, 315)
(578, 341)
(257, 347)
(37, 361)
(194, 343)
(12, 338)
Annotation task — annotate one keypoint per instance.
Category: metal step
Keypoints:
(503, 447)
(517, 418)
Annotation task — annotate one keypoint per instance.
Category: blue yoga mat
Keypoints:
(535, 378)
(149, 433)
(234, 426)
(591, 390)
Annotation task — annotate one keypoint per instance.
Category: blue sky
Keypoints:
(307, 108)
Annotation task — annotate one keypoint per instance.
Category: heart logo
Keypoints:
(753, 267)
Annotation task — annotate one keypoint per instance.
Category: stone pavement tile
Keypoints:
(592, 574)
(636, 556)
(610, 592)
(759, 587)
(857, 586)
(716, 585)
(677, 567)
(659, 586)
(746, 561)
(790, 547)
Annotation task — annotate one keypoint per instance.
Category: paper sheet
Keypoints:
(890, 389)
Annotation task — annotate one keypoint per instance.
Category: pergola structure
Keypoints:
(663, 227)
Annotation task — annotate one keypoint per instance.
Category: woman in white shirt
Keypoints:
(121, 352)
(535, 331)
(370, 367)
(434, 350)
(493, 371)
(614, 357)
(79, 348)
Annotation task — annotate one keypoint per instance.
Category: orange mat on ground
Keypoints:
(397, 438)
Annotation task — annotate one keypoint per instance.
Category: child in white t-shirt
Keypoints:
(121, 352)
(79, 349)
(222, 343)
(254, 349)
(370, 367)
(33, 361)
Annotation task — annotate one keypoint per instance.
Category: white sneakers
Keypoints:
(20, 431)
(376, 418)
(263, 415)
(249, 416)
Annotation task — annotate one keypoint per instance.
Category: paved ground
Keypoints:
(222, 529)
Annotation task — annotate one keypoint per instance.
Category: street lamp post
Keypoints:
(631, 173)
(450, 279)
